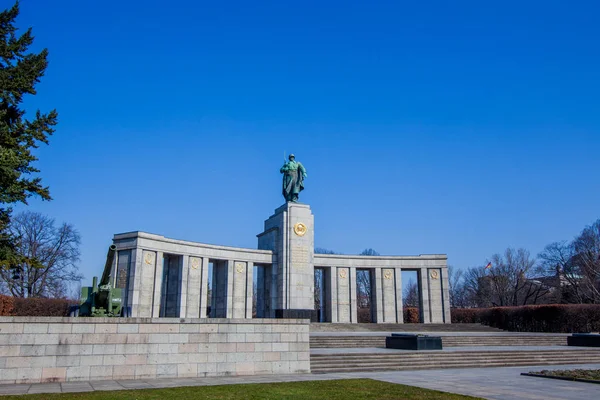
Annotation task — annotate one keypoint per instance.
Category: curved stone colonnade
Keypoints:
(164, 277)
(340, 279)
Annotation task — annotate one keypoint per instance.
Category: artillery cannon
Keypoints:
(102, 300)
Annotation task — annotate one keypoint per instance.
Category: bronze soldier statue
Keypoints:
(293, 179)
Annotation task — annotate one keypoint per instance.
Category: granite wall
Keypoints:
(37, 349)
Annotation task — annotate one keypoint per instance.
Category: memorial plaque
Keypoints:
(299, 257)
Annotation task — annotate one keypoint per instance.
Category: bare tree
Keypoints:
(586, 261)
(47, 254)
(410, 295)
(363, 282)
(456, 287)
(477, 288)
(512, 280)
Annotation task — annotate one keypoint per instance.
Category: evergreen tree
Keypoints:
(20, 71)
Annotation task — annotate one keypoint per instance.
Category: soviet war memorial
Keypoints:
(153, 243)
(163, 277)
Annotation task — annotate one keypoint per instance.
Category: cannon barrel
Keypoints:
(110, 258)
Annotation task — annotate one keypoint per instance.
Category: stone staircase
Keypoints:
(329, 327)
(365, 362)
(320, 342)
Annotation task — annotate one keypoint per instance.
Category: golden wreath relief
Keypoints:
(433, 274)
(387, 274)
(195, 263)
(343, 273)
(149, 258)
(239, 267)
(300, 229)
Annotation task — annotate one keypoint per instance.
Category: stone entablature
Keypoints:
(47, 349)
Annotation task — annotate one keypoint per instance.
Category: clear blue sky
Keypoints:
(438, 127)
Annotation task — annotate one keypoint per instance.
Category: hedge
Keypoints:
(7, 304)
(560, 318)
(34, 307)
(411, 315)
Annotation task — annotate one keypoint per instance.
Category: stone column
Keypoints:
(343, 295)
(158, 279)
(332, 294)
(185, 261)
(436, 296)
(229, 293)
(204, 290)
(424, 296)
(389, 289)
(399, 302)
(249, 289)
(134, 282)
(194, 283)
(377, 300)
(146, 272)
(240, 289)
(446, 295)
(353, 303)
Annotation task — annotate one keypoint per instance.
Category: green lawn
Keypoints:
(326, 390)
(589, 374)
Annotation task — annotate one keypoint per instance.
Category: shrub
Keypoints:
(36, 307)
(6, 305)
(363, 315)
(563, 318)
(411, 315)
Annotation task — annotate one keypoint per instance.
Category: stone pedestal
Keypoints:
(289, 233)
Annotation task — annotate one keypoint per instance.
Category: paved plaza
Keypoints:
(504, 383)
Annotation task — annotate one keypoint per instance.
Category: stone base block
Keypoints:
(413, 342)
(298, 314)
(584, 339)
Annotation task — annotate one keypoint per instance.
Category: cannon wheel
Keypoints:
(74, 311)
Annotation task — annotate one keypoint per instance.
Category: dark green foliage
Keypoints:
(20, 71)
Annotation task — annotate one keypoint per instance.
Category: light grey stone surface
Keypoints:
(293, 254)
(136, 348)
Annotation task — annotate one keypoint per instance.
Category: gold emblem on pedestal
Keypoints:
(149, 258)
(195, 263)
(239, 267)
(387, 274)
(300, 229)
(343, 273)
(434, 274)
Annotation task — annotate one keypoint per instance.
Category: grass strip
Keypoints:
(579, 375)
(315, 390)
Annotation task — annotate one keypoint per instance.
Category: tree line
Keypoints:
(565, 272)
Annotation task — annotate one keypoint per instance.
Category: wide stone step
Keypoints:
(318, 370)
(402, 354)
(430, 360)
(448, 360)
(457, 362)
(329, 327)
(450, 341)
